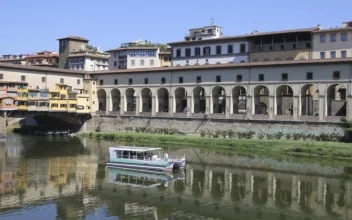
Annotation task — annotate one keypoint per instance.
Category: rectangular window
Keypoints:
(282, 47)
(151, 62)
(343, 54)
(343, 36)
(116, 81)
(180, 79)
(115, 54)
(142, 62)
(271, 48)
(336, 75)
(332, 37)
(1, 76)
(261, 77)
(309, 76)
(163, 80)
(133, 62)
(115, 63)
(322, 38)
(62, 80)
(101, 82)
(322, 55)
(199, 79)
(197, 51)
(130, 81)
(229, 48)
(78, 82)
(146, 81)
(294, 46)
(178, 53)
(188, 52)
(218, 50)
(206, 51)
(308, 45)
(242, 48)
(284, 77)
(23, 78)
(239, 78)
(43, 79)
(218, 78)
(332, 54)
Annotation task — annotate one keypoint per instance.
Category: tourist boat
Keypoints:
(144, 179)
(142, 158)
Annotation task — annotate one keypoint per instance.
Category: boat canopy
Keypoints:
(134, 149)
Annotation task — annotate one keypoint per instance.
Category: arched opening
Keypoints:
(130, 100)
(219, 99)
(163, 100)
(266, 59)
(284, 100)
(199, 100)
(310, 100)
(115, 98)
(180, 100)
(289, 58)
(146, 95)
(239, 100)
(261, 100)
(336, 100)
(277, 59)
(101, 100)
(242, 61)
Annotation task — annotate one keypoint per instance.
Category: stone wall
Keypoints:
(193, 126)
(2, 128)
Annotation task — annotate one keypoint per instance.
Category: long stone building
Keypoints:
(308, 90)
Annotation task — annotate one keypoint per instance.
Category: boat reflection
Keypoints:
(143, 179)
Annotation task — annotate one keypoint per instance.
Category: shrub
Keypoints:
(203, 133)
(231, 133)
(129, 129)
(278, 135)
(270, 136)
(224, 134)
(324, 137)
(261, 135)
(217, 134)
(288, 136)
(246, 135)
(97, 129)
(297, 136)
(209, 134)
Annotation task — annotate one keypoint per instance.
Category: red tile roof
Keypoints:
(89, 55)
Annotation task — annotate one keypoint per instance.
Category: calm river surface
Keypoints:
(65, 178)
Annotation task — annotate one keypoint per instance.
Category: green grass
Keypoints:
(251, 146)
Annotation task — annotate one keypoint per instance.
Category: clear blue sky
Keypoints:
(30, 25)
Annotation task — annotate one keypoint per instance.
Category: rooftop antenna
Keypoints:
(212, 21)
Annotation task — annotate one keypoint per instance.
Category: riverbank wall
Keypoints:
(194, 126)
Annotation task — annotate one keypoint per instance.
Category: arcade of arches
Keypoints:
(280, 102)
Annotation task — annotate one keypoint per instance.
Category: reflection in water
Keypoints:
(65, 178)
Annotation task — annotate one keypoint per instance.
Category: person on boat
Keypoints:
(166, 157)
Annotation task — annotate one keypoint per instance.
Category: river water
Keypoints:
(65, 178)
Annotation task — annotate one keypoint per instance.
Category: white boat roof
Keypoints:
(136, 149)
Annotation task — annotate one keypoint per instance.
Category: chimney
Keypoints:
(344, 24)
(319, 27)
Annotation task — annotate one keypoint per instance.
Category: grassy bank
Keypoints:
(265, 147)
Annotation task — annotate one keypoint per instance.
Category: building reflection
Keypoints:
(78, 187)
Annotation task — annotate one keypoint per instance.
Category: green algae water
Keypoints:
(65, 178)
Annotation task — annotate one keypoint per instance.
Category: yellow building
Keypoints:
(59, 98)
(22, 96)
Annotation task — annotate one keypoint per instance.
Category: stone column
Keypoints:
(207, 105)
(271, 190)
(227, 108)
(322, 107)
(153, 105)
(249, 107)
(189, 104)
(249, 181)
(296, 107)
(272, 109)
(349, 108)
(295, 193)
(138, 104)
(108, 104)
(171, 106)
(122, 105)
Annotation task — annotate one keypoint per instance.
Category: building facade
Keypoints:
(306, 90)
(333, 43)
(88, 61)
(134, 55)
(67, 45)
(207, 45)
(44, 58)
